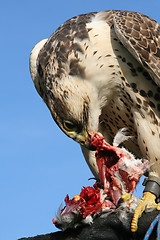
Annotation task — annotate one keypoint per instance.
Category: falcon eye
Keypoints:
(69, 126)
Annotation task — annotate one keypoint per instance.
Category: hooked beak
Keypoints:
(86, 140)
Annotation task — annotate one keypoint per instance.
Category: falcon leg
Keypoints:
(150, 194)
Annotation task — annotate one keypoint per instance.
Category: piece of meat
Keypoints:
(119, 172)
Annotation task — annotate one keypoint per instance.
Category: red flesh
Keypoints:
(118, 174)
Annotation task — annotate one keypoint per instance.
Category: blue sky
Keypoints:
(39, 165)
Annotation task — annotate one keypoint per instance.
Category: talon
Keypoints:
(147, 201)
(137, 214)
(134, 226)
(126, 197)
(158, 206)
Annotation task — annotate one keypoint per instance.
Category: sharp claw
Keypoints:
(158, 206)
(137, 214)
(148, 201)
(126, 197)
(134, 226)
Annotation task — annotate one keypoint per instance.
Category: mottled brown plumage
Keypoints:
(101, 72)
(140, 35)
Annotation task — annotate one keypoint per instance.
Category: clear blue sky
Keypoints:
(39, 165)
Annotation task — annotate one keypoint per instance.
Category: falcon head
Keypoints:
(72, 101)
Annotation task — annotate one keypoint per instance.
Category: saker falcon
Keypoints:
(100, 72)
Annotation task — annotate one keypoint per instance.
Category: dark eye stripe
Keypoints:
(85, 112)
(40, 71)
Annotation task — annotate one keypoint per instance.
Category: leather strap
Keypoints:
(152, 184)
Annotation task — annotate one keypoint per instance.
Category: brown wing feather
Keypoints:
(141, 36)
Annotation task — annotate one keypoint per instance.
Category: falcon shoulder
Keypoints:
(141, 36)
